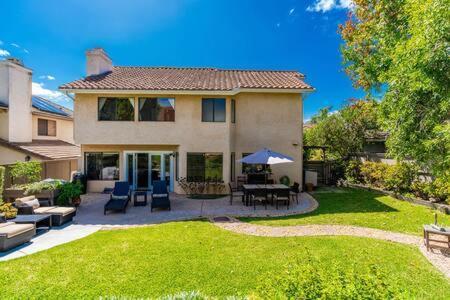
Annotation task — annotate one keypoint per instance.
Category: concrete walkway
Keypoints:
(50, 239)
(440, 260)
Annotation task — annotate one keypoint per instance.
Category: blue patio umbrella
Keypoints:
(266, 157)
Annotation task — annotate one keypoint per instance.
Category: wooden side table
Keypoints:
(442, 243)
(138, 202)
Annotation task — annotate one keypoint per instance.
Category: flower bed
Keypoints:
(445, 208)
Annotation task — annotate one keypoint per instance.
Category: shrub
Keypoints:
(312, 280)
(2, 181)
(67, 192)
(399, 177)
(353, 171)
(29, 171)
(440, 189)
(373, 173)
(37, 187)
(7, 210)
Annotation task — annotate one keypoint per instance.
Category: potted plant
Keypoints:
(70, 194)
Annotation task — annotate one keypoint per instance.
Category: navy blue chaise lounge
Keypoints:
(120, 197)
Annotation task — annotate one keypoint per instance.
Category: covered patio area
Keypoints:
(183, 208)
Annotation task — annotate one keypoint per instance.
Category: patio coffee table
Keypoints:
(443, 244)
(35, 220)
(138, 202)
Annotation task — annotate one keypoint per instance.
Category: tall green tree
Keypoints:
(343, 131)
(402, 48)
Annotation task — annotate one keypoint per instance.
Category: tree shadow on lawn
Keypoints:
(342, 201)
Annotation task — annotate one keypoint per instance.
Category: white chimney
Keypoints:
(15, 92)
(98, 62)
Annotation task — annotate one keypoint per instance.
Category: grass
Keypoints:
(196, 255)
(348, 206)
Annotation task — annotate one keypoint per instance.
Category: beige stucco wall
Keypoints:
(64, 128)
(15, 89)
(4, 126)
(62, 169)
(9, 156)
(271, 120)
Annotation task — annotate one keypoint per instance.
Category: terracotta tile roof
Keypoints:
(205, 79)
(46, 149)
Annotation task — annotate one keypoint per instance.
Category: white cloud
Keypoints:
(48, 77)
(38, 89)
(26, 51)
(291, 11)
(327, 5)
(4, 52)
(15, 45)
(278, 24)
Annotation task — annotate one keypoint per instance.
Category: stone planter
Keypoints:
(445, 208)
(11, 194)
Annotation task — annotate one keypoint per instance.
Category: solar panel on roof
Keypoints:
(45, 106)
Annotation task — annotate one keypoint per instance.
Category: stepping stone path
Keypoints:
(440, 260)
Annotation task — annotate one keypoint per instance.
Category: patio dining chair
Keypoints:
(259, 195)
(282, 195)
(295, 190)
(234, 192)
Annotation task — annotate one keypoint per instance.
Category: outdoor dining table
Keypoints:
(271, 188)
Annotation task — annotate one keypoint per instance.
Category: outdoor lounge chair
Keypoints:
(119, 198)
(160, 195)
(235, 192)
(30, 205)
(13, 235)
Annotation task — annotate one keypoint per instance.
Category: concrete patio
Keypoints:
(91, 210)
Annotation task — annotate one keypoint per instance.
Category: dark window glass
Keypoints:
(102, 166)
(156, 109)
(115, 109)
(233, 111)
(46, 127)
(252, 168)
(213, 110)
(204, 167)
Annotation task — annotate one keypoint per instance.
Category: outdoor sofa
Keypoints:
(119, 198)
(30, 205)
(13, 235)
(160, 195)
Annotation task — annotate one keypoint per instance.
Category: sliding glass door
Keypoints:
(143, 168)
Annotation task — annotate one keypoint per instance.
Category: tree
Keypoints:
(343, 132)
(401, 46)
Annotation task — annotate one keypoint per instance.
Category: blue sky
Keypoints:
(51, 37)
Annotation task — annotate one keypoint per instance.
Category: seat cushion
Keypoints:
(44, 209)
(14, 229)
(32, 203)
(125, 197)
(22, 201)
(61, 210)
(159, 195)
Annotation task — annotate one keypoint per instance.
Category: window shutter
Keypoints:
(51, 128)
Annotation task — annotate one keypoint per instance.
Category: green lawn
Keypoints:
(361, 208)
(196, 255)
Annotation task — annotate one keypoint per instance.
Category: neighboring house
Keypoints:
(374, 148)
(142, 124)
(33, 128)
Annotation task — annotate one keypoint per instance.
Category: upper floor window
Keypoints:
(46, 127)
(213, 110)
(157, 109)
(233, 111)
(115, 109)
(204, 167)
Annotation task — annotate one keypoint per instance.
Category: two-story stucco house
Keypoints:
(148, 123)
(34, 128)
